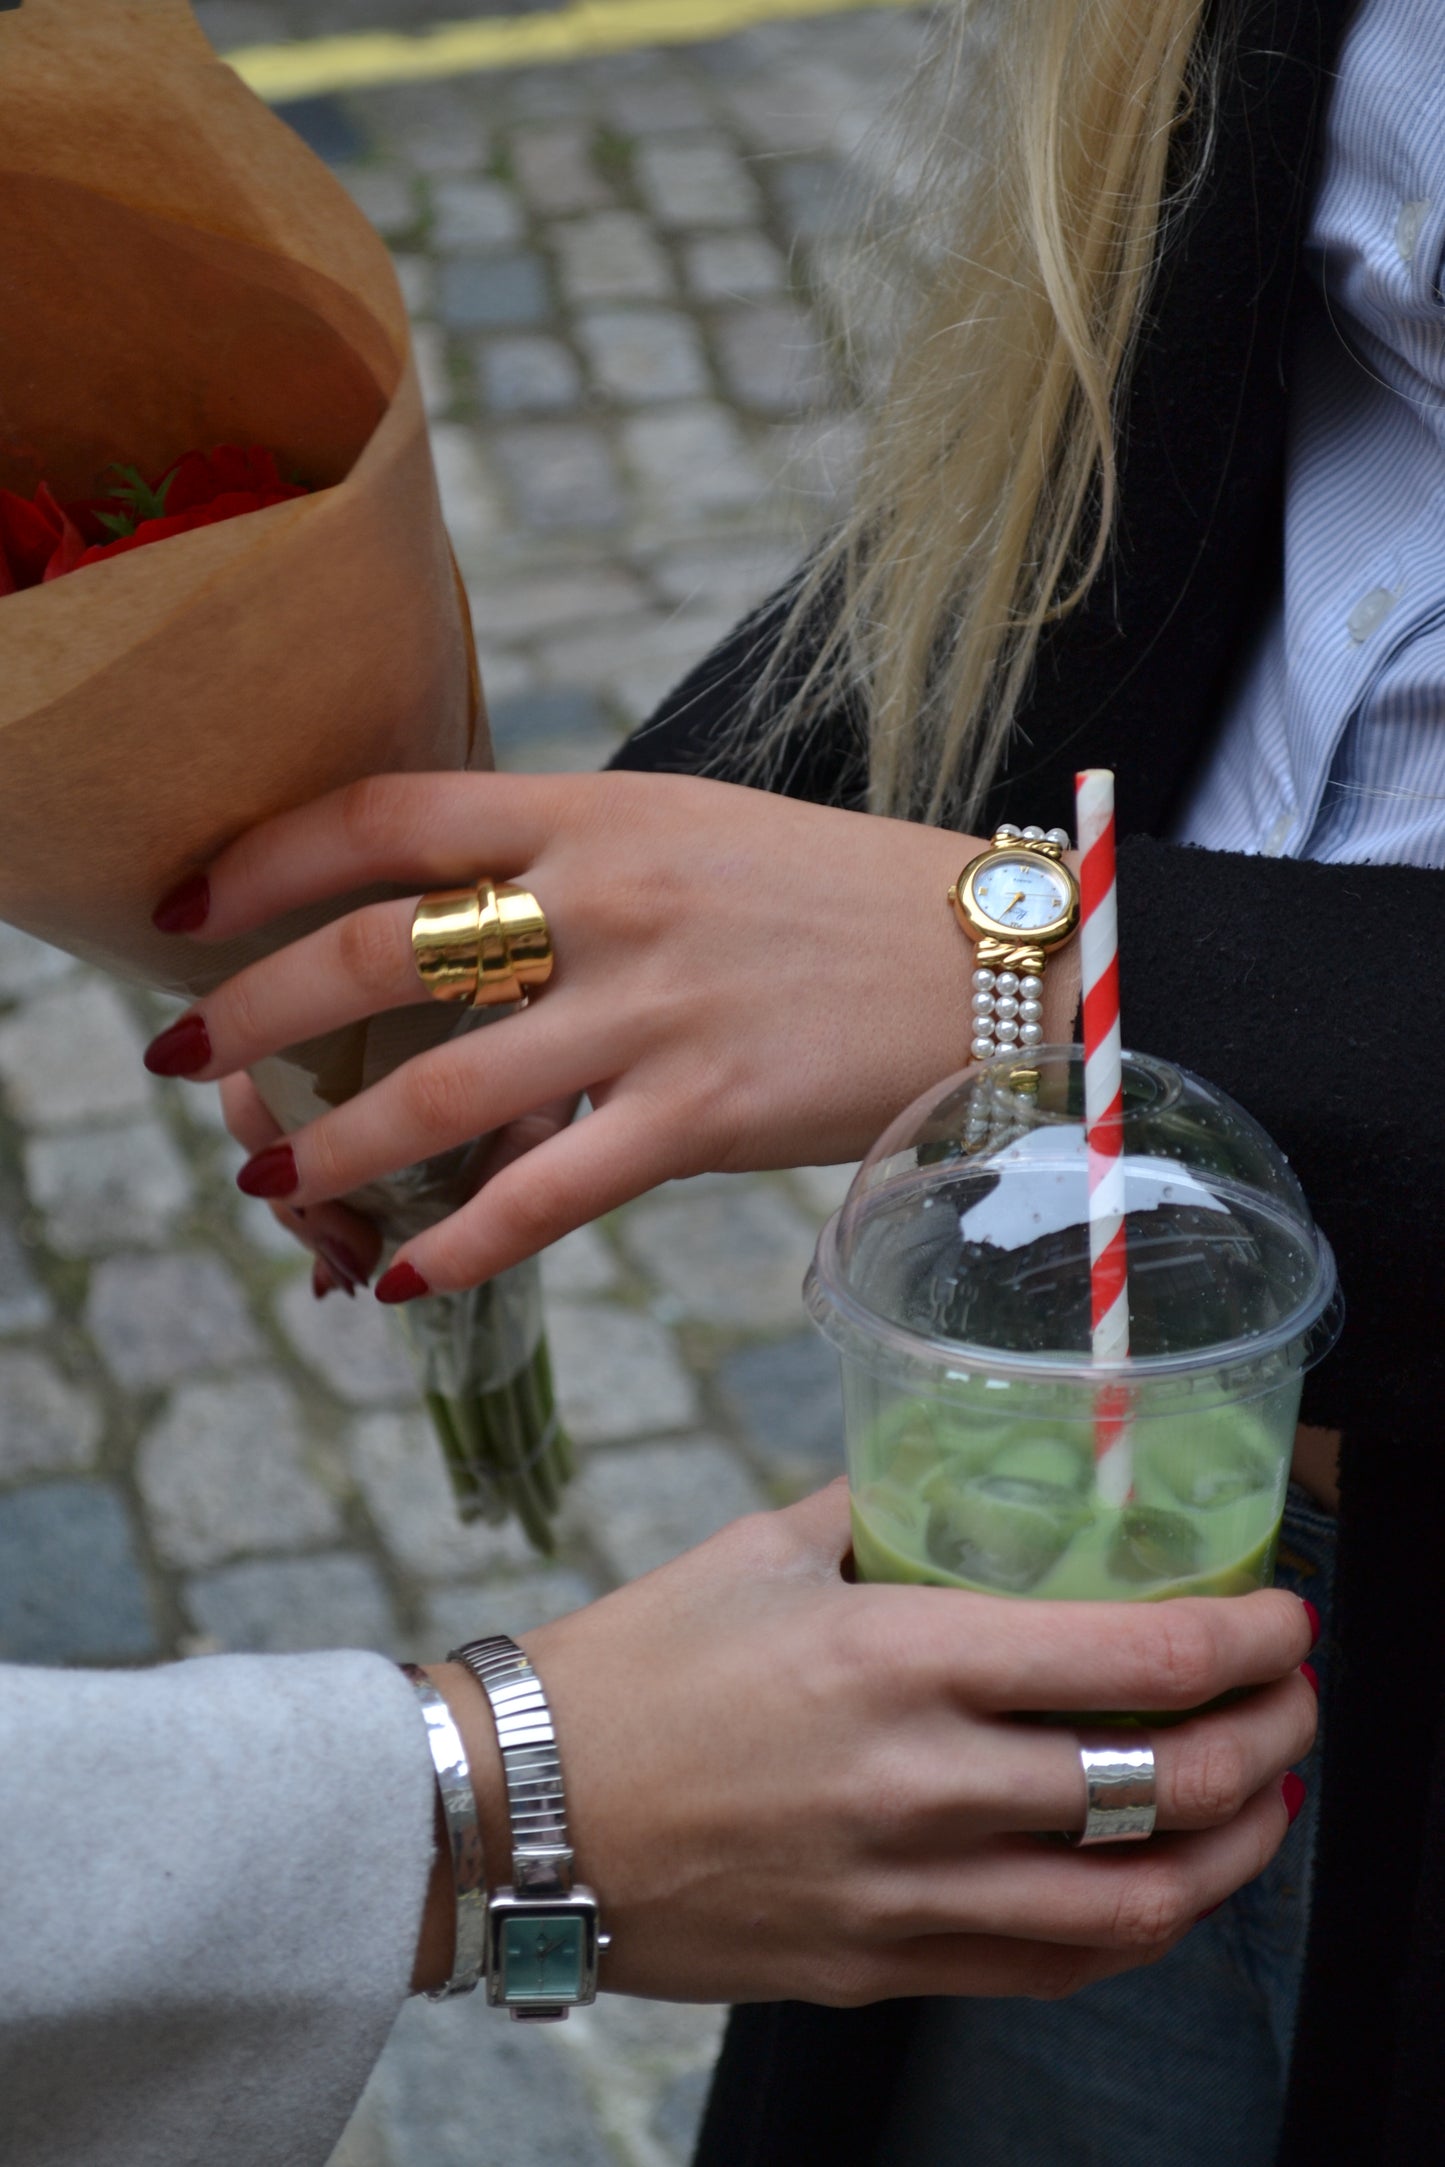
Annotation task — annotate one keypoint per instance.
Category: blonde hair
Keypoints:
(987, 493)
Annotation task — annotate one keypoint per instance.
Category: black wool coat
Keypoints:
(1315, 994)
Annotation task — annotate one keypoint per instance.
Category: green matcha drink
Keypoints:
(1015, 1512)
(955, 1284)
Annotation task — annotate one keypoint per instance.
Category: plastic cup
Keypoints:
(954, 1284)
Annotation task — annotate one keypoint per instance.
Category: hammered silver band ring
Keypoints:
(1119, 1783)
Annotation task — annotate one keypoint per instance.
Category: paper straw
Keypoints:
(1104, 1124)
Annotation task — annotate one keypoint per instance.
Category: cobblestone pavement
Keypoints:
(621, 275)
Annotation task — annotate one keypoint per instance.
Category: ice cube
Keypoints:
(1153, 1545)
(1005, 1531)
(1203, 1470)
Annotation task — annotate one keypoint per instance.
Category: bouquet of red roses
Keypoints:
(214, 632)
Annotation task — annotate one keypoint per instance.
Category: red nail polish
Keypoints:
(1311, 1675)
(343, 1261)
(181, 1050)
(271, 1173)
(1314, 1618)
(403, 1283)
(1294, 1793)
(186, 908)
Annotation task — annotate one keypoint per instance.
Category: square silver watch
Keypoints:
(543, 1935)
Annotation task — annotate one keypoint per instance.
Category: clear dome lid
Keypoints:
(964, 1238)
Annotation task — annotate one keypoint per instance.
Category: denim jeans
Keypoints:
(1182, 2063)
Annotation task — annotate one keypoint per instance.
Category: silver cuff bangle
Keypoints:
(459, 1809)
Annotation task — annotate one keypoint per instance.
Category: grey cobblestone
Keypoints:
(640, 356)
(351, 1343)
(528, 373)
(476, 1607)
(645, 1504)
(734, 266)
(47, 1427)
(734, 1255)
(697, 183)
(771, 357)
(469, 499)
(57, 1539)
(693, 460)
(556, 172)
(489, 293)
(475, 214)
(561, 474)
(613, 256)
(386, 196)
(24, 1305)
(26, 963)
(787, 1399)
(518, 608)
(276, 1606)
(223, 1472)
(103, 1188)
(581, 1263)
(618, 1373)
(72, 1054)
(157, 1318)
(398, 1467)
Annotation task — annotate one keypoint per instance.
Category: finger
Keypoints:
(357, 966)
(478, 1081)
(598, 1164)
(425, 830)
(1128, 1896)
(1054, 1656)
(513, 1142)
(350, 1244)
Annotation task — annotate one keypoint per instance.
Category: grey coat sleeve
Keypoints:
(211, 1880)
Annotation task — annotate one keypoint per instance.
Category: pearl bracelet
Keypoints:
(1008, 1006)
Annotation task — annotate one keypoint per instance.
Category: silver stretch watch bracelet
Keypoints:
(459, 1810)
(543, 1938)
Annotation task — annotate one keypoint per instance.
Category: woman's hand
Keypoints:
(742, 980)
(785, 1786)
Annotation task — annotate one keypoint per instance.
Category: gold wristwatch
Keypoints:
(1018, 901)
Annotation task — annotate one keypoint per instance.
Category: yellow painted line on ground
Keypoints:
(314, 66)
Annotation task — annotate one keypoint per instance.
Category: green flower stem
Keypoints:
(490, 1443)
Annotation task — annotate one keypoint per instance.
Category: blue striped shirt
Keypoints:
(1333, 747)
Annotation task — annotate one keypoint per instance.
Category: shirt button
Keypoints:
(1369, 613)
(1407, 227)
(1278, 835)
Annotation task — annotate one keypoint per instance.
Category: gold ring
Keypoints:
(483, 945)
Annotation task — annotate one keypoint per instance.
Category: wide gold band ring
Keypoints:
(483, 946)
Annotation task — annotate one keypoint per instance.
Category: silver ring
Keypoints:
(1119, 1779)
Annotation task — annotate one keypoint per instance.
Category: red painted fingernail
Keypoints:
(271, 1173)
(1294, 1793)
(403, 1283)
(1308, 1672)
(343, 1261)
(186, 907)
(1314, 1618)
(1201, 1916)
(183, 1049)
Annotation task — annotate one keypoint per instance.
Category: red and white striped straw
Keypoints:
(1104, 1123)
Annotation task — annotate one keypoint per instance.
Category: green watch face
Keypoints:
(543, 1956)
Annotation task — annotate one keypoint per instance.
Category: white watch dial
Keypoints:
(1024, 893)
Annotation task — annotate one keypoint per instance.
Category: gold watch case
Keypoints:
(979, 923)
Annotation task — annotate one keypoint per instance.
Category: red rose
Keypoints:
(35, 534)
(209, 514)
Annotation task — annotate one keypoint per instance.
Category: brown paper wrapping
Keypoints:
(178, 271)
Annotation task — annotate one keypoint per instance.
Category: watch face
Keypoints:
(1024, 893)
(543, 1955)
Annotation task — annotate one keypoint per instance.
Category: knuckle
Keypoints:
(1151, 1903)
(1182, 1654)
(366, 952)
(437, 1097)
(367, 813)
(239, 1010)
(1210, 1782)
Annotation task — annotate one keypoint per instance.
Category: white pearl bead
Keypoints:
(983, 980)
(982, 1048)
(1031, 1011)
(1006, 827)
(1030, 986)
(1008, 982)
(1006, 1005)
(1031, 1034)
(983, 1004)
(1008, 1031)
(1033, 835)
(1059, 836)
